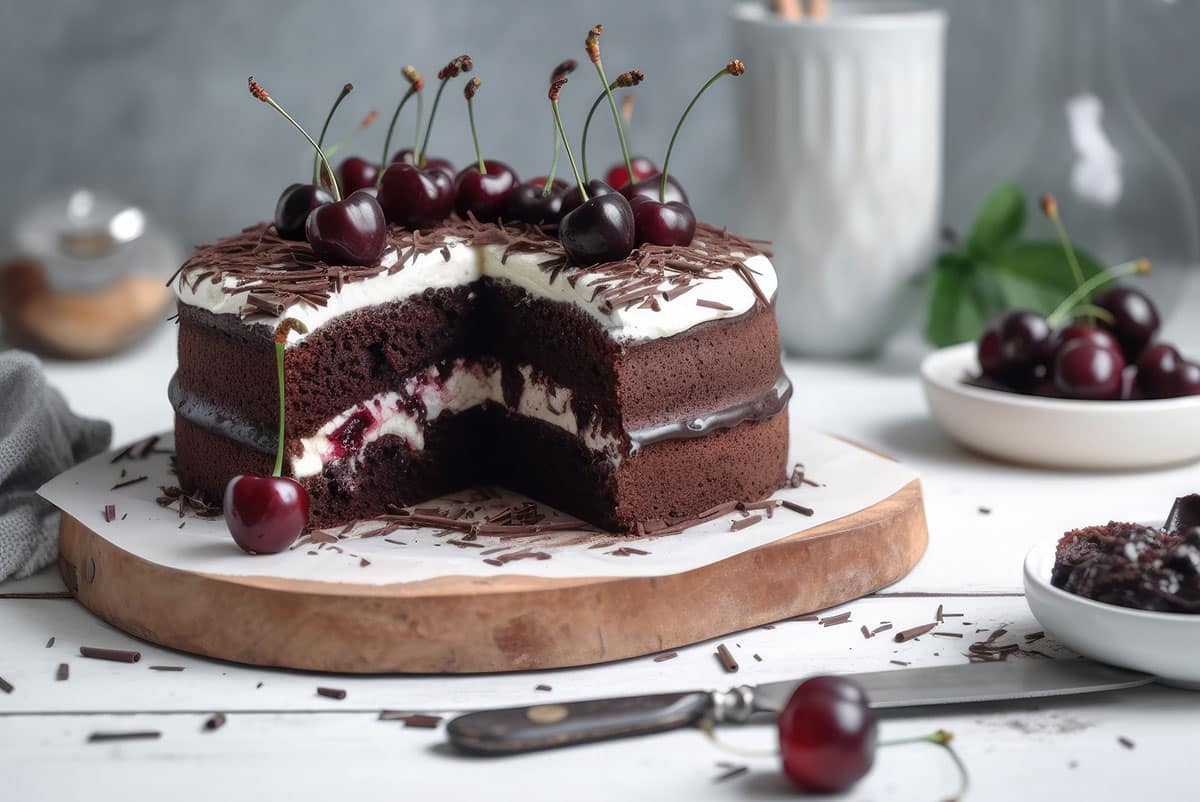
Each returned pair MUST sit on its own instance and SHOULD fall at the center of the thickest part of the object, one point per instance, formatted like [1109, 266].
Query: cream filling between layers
[426, 397]
[467, 263]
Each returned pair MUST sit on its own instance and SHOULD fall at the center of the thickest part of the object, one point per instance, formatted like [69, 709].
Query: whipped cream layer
[427, 396]
[661, 309]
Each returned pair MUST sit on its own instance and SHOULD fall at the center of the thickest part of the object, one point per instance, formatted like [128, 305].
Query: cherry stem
[366, 122]
[1072, 301]
[286, 326]
[662, 186]
[347, 89]
[570, 156]
[940, 738]
[708, 727]
[333, 184]
[616, 115]
[471, 117]
[455, 68]
[1051, 209]
[549, 185]
[387, 140]
[417, 131]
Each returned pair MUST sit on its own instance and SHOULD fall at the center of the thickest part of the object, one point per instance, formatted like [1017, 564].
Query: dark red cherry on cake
[827, 735]
[484, 195]
[572, 199]
[356, 173]
[405, 156]
[416, 198]
[293, 207]
[649, 187]
[599, 230]
[1135, 318]
[351, 231]
[1087, 371]
[1013, 346]
[618, 175]
[671, 223]
[528, 203]
[265, 514]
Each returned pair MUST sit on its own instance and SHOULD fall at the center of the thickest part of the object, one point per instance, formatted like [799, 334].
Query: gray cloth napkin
[39, 439]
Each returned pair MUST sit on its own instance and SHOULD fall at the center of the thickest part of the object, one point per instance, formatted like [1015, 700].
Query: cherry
[618, 175]
[291, 211]
[652, 188]
[415, 198]
[357, 173]
[827, 735]
[483, 188]
[600, 230]
[573, 197]
[1081, 330]
[670, 223]
[1135, 319]
[349, 231]
[530, 204]
[1013, 346]
[352, 231]
[405, 156]
[1163, 373]
[1088, 371]
[265, 514]
[1189, 379]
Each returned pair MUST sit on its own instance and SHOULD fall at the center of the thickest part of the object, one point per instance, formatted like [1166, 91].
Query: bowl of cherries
[1089, 386]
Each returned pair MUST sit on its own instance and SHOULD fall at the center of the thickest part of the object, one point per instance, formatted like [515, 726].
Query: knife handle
[525, 729]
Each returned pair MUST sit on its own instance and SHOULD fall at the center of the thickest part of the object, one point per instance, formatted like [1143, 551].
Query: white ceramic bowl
[1164, 644]
[1057, 433]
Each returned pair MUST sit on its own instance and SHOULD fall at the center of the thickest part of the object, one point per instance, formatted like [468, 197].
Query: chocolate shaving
[5, 685]
[660, 658]
[730, 773]
[899, 662]
[331, 693]
[713, 305]
[109, 512]
[542, 687]
[1125, 742]
[116, 655]
[914, 632]
[727, 661]
[794, 507]
[50, 642]
[128, 482]
[132, 735]
[744, 523]
[834, 620]
[214, 722]
[63, 673]
[422, 720]
[166, 668]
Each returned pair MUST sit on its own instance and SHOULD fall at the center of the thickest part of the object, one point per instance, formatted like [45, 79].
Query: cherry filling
[347, 439]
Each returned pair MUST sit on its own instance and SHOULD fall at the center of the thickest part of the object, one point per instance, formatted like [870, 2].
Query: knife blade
[516, 730]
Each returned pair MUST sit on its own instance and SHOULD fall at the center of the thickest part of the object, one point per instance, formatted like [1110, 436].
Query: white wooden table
[282, 740]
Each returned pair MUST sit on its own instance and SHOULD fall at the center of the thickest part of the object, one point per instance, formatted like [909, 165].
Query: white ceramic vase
[840, 140]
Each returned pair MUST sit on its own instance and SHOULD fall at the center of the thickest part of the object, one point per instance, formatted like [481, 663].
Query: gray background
[148, 98]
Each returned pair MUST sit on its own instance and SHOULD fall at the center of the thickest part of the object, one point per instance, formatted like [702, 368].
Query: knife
[525, 729]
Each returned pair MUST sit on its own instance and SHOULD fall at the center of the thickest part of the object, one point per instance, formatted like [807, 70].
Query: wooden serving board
[459, 624]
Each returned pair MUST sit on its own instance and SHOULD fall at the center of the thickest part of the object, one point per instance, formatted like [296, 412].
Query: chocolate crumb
[259, 685]
[866, 633]
[727, 661]
[116, 655]
[985, 510]
[109, 512]
[914, 632]
[363, 562]
[881, 628]
[132, 735]
[215, 722]
[1126, 742]
[899, 663]
[50, 642]
[659, 658]
[756, 657]
[422, 720]
[543, 687]
[331, 693]
[5, 685]
[166, 668]
[63, 673]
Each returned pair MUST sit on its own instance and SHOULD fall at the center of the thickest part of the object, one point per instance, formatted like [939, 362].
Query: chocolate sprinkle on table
[109, 512]
[50, 642]
[804, 618]
[422, 720]
[116, 655]
[794, 507]
[135, 480]
[133, 735]
[834, 620]
[938, 615]
[166, 668]
[914, 632]
[215, 722]
[1032, 636]
[866, 633]
[899, 662]
[881, 628]
[5, 685]
[331, 693]
[948, 634]
[63, 673]
[727, 661]
[756, 657]
[744, 523]
[659, 658]
[730, 773]
[1125, 742]
[543, 687]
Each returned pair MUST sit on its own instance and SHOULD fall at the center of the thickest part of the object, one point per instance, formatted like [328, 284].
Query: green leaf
[957, 306]
[1037, 275]
[998, 222]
